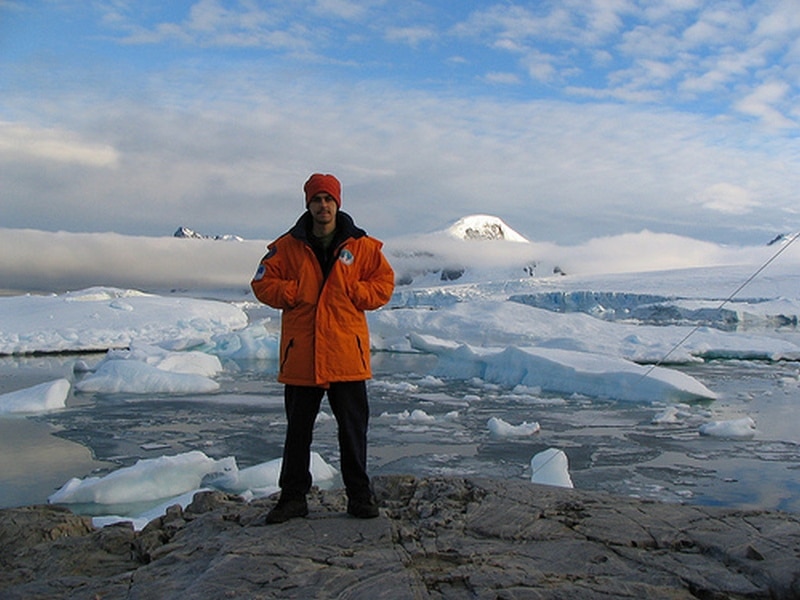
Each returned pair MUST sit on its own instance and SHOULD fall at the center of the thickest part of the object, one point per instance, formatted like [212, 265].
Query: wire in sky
[730, 298]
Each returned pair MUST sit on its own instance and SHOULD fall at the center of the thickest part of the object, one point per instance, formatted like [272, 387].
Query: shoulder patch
[259, 273]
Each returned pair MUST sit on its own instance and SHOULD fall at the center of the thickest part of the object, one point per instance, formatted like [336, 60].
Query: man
[323, 274]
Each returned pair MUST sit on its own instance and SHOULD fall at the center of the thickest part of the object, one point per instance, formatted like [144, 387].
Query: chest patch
[346, 257]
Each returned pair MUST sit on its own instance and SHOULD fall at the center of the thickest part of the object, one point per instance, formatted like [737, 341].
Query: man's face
[323, 208]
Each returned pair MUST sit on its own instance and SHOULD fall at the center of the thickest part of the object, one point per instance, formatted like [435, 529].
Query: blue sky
[570, 120]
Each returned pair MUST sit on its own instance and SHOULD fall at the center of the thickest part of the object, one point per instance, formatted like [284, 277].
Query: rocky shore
[436, 538]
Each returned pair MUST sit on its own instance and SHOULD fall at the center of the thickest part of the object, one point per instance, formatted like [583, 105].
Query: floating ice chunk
[192, 362]
[415, 416]
[171, 480]
[254, 341]
[196, 363]
[120, 305]
[399, 416]
[551, 467]
[562, 371]
[669, 415]
[420, 416]
[39, 398]
[148, 479]
[673, 414]
[101, 294]
[148, 369]
[101, 318]
[741, 429]
[134, 377]
[323, 417]
[430, 381]
[141, 519]
[501, 429]
[262, 479]
[399, 387]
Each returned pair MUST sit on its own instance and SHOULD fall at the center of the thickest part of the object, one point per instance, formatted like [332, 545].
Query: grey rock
[441, 538]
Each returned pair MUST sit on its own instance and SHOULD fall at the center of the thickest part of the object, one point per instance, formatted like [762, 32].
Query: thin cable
[694, 330]
[730, 298]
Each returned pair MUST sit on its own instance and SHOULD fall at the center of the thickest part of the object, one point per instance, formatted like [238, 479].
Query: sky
[569, 120]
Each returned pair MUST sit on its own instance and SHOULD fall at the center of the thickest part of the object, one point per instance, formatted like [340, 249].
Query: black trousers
[348, 401]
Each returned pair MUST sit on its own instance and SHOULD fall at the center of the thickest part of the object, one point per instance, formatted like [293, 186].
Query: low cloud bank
[41, 262]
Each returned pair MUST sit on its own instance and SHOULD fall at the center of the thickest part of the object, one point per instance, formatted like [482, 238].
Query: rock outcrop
[436, 538]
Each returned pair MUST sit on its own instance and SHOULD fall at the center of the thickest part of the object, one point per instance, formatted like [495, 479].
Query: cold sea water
[423, 425]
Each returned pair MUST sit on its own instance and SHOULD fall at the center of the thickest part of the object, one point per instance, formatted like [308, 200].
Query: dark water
[611, 446]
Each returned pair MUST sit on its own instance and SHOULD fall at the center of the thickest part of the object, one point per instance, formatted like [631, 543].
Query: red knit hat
[319, 182]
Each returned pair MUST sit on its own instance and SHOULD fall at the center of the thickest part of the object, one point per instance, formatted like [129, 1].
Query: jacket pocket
[361, 353]
[286, 351]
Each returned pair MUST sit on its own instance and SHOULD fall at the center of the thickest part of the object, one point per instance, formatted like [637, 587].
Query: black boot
[287, 508]
[362, 507]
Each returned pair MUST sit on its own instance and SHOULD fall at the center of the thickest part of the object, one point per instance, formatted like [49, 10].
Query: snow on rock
[551, 467]
[101, 318]
[562, 371]
[44, 397]
[739, 429]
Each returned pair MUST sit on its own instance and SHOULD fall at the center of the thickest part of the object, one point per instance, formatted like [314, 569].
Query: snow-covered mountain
[469, 249]
[185, 232]
[482, 228]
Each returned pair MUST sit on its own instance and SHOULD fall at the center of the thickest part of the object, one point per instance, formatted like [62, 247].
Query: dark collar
[345, 228]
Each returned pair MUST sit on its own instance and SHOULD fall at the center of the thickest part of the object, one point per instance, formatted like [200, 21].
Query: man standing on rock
[324, 273]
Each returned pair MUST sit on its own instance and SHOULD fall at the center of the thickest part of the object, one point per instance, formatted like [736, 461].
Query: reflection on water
[34, 462]
[611, 446]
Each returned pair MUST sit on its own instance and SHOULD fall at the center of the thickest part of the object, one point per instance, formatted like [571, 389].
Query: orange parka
[324, 333]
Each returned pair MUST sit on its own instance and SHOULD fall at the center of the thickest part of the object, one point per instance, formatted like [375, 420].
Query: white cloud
[727, 198]
[717, 26]
[208, 23]
[502, 78]
[413, 36]
[220, 137]
[766, 102]
[38, 261]
[514, 24]
[57, 145]
[344, 9]
[540, 66]
[44, 261]
[781, 19]
[408, 162]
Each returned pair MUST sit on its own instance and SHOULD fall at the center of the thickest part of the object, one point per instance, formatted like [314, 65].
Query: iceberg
[562, 371]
